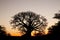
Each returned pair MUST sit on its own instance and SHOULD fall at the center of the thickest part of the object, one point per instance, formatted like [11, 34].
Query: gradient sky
[9, 8]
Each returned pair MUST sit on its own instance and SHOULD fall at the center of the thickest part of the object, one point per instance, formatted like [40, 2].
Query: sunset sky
[9, 8]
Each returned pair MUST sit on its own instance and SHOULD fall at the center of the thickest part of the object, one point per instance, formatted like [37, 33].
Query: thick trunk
[28, 33]
[29, 30]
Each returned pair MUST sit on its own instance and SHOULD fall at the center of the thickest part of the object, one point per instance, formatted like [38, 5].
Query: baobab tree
[29, 21]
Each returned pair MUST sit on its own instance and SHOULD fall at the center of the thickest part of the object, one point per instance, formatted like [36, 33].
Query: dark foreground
[30, 38]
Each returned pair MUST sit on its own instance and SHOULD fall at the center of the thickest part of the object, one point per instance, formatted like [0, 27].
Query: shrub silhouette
[2, 32]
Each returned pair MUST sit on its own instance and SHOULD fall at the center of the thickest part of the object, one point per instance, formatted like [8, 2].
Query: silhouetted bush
[3, 32]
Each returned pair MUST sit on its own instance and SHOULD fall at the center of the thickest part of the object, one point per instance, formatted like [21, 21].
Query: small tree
[2, 31]
[28, 21]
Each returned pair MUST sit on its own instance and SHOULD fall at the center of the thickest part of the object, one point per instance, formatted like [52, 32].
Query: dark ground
[50, 37]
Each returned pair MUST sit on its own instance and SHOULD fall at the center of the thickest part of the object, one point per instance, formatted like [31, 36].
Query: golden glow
[16, 34]
[33, 33]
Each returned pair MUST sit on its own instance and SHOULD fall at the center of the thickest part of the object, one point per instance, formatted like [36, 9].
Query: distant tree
[2, 31]
[55, 29]
[56, 26]
[29, 21]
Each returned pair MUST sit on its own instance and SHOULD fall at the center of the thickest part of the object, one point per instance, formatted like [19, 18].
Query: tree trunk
[29, 30]
[28, 33]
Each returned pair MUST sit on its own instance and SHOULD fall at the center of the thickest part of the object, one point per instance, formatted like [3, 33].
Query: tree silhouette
[55, 29]
[2, 31]
[28, 21]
